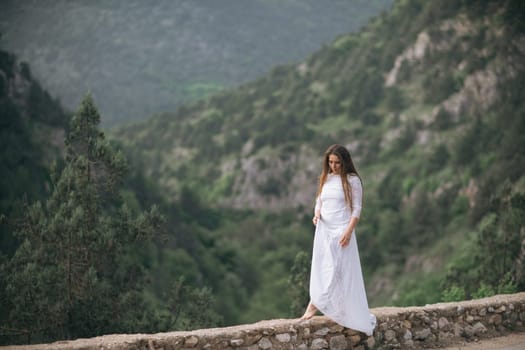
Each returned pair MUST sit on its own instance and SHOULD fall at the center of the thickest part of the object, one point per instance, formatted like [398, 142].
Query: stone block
[349, 331]
[269, 331]
[449, 311]
[468, 331]
[422, 334]
[355, 339]
[444, 335]
[191, 341]
[323, 331]
[458, 330]
[443, 323]
[306, 332]
[252, 339]
[237, 342]
[318, 344]
[479, 328]
[251, 347]
[390, 335]
[500, 309]
[495, 319]
[223, 344]
[283, 337]
[336, 329]
[338, 342]
[265, 344]
[408, 344]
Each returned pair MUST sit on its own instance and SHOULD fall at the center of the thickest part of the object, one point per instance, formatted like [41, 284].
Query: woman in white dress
[336, 281]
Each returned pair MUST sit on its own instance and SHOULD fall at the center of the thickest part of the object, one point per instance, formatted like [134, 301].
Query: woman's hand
[347, 233]
[345, 239]
[315, 219]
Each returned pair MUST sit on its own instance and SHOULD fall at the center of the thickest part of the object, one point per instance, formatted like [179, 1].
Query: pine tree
[74, 274]
[299, 283]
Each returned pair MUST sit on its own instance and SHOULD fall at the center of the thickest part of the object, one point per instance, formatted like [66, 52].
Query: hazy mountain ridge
[138, 59]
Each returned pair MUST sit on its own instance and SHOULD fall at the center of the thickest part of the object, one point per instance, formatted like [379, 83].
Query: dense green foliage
[429, 168]
[141, 58]
[72, 275]
[171, 277]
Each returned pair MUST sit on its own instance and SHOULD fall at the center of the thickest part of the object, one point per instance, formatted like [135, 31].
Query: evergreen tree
[299, 283]
[191, 307]
[74, 274]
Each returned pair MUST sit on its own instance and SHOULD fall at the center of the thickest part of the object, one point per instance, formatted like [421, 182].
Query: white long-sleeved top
[332, 194]
[336, 281]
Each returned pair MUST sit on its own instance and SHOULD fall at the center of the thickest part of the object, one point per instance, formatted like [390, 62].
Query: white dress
[336, 281]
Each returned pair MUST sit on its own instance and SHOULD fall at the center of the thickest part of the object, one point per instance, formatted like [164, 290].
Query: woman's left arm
[357, 199]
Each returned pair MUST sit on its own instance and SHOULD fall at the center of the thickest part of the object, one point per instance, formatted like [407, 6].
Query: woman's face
[334, 163]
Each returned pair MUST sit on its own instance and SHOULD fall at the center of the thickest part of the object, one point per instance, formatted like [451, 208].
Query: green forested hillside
[84, 245]
[140, 58]
[427, 97]
[186, 276]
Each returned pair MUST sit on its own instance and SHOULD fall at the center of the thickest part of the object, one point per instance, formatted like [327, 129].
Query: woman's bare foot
[310, 312]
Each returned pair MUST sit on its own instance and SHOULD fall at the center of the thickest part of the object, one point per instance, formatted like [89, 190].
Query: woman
[336, 281]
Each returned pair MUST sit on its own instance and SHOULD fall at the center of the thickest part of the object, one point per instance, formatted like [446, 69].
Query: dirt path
[514, 341]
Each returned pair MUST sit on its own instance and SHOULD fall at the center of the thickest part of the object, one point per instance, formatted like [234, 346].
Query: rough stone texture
[430, 326]
[318, 344]
[283, 337]
[338, 342]
[265, 343]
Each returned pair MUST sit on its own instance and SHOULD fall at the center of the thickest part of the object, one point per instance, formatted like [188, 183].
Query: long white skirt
[336, 281]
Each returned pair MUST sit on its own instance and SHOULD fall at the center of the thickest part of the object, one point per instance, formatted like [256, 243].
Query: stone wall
[398, 328]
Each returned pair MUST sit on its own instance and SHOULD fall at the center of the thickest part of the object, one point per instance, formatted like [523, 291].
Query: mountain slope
[32, 130]
[429, 100]
[138, 59]
[377, 91]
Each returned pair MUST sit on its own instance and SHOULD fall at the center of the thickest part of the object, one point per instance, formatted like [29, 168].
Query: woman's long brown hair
[347, 168]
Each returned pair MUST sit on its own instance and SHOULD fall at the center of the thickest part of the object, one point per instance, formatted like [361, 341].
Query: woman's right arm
[317, 210]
